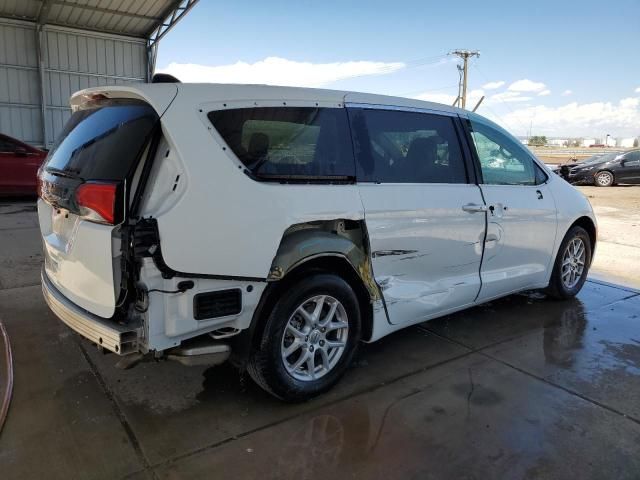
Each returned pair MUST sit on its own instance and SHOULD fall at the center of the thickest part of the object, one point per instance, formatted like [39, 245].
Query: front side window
[503, 160]
[632, 159]
[289, 142]
[406, 147]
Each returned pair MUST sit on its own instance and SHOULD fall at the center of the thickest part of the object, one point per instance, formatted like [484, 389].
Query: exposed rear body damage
[279, 227]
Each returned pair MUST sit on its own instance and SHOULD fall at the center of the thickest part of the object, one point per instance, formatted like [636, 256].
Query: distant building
[625, 142]
[557, 142]
[587, 142]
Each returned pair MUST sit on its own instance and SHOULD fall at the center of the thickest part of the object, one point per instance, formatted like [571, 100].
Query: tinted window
[7, 146]
[288, 142]
[503, 159]
[103, 142]
[632, 159]
[406, 147]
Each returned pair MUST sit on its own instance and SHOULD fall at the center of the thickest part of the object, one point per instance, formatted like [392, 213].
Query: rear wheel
[572, 264]
[309, 339]
[604, 179]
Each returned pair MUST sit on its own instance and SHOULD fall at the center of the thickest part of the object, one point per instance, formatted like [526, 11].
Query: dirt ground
[617, 257]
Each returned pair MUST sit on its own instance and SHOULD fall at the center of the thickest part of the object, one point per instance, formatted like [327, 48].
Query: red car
[19, 164]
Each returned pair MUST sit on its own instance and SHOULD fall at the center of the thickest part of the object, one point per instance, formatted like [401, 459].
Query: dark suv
[606, 170]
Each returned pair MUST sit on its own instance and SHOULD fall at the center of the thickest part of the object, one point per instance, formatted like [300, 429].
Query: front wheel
[309, 338]
[604, 179]
[572, 264]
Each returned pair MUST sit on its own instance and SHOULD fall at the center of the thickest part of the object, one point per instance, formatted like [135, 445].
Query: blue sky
[569, 68]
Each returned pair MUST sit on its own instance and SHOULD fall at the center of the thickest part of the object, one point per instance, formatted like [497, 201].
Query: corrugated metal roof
[136, 18]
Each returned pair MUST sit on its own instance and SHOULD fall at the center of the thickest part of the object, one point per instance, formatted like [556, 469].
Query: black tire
[604, 179]
[266, 365]
[557, 288]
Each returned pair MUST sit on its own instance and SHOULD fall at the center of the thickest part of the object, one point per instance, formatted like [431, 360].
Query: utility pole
[464, 55]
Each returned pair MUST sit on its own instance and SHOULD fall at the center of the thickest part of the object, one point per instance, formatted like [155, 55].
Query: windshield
[103, 142]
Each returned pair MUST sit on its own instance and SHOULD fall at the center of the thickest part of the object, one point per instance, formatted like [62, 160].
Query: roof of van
[214, 92]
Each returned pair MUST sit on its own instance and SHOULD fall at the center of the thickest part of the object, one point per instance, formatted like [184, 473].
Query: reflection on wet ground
[523, 387]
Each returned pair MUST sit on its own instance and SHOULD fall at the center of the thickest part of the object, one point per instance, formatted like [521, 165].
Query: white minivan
[279, 227]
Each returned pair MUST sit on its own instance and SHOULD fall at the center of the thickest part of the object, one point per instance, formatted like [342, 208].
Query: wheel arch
[589, 225]
[339, 247]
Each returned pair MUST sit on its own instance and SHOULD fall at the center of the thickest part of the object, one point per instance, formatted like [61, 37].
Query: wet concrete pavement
[524, 387]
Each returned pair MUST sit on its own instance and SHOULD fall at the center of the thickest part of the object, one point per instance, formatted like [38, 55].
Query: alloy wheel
[573, 261]
[604, 179]
[314, 338]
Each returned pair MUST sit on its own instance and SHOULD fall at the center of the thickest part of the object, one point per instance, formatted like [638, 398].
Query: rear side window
[103, 142]
[289, 142]
[406, 147]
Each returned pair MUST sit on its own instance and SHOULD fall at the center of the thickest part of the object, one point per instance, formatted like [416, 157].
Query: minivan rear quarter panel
[254, 214]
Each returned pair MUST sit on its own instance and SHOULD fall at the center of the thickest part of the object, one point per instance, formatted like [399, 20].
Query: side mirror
[21, 152]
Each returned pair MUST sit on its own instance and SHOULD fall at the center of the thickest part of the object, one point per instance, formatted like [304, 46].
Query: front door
[426, 249]
[629, 171]
[521, 213]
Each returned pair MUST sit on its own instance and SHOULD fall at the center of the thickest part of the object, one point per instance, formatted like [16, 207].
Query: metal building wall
[72, 59]
[20, 115]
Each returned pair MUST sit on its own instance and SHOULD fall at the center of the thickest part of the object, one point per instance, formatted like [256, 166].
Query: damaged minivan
[277, 228]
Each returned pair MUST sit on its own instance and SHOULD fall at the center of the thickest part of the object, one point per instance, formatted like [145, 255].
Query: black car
[605, 170]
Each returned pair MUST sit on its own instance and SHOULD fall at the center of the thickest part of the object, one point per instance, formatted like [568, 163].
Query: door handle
[540, 196]
[474, 208]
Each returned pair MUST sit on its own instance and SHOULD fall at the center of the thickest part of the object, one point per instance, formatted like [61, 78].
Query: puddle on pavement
[566, 335]
[500, 424]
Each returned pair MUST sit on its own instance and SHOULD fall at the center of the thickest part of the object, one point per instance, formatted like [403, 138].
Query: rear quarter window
[289, 142]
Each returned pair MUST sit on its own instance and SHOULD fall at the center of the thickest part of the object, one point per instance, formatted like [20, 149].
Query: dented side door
[426, 250]
[426, 243]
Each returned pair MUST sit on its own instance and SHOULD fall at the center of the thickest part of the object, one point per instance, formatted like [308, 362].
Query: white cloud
[509, 97]
[473, 96]
[526, 85]
[494, 85]
[544, 93]
[444, 98]
[579, 120]
[638, 90]
[279, 71]
[566, 93]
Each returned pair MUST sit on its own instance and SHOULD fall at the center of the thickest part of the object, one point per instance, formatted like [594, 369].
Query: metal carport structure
[52, 48]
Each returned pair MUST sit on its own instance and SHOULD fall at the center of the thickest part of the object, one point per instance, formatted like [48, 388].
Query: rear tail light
[97, 201]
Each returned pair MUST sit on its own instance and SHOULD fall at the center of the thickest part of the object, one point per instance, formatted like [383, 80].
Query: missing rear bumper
[107, 334]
